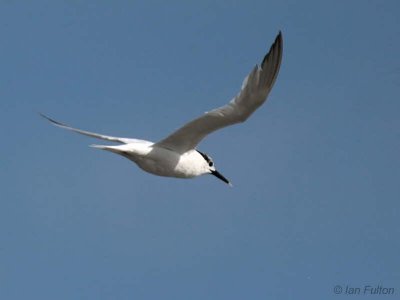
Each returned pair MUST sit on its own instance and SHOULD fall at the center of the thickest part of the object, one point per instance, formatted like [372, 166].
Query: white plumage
[176, 156]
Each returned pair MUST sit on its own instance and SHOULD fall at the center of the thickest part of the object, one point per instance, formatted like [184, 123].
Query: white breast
[164, 162]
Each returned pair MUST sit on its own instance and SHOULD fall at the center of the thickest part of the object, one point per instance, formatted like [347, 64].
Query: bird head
[210, 168]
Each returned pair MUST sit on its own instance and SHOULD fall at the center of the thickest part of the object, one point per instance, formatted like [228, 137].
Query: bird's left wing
[255, 89]
[92, 134]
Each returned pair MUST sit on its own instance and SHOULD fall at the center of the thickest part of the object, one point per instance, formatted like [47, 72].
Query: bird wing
[92, 134]
[255, 89]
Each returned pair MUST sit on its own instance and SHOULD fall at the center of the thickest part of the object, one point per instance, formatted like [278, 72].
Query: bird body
[161, 161]
[176, 155]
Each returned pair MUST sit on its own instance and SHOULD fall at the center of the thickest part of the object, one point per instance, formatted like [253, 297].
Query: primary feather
[255, 89]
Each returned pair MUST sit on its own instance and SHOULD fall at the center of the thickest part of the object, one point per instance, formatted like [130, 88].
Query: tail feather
[102, 147]
[119, 149]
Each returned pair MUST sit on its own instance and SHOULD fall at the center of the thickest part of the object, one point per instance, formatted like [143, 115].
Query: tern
[176, 155]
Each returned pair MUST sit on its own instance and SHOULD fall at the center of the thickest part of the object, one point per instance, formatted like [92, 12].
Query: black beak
[219, 175]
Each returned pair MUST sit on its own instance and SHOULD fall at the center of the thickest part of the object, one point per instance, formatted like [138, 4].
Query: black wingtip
[278, 43]
[279, 37]
[51, 120]
[43, 115]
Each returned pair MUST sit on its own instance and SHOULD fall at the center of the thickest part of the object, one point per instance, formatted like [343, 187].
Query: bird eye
[210, 163]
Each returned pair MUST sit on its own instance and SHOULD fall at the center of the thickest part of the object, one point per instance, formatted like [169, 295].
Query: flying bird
[176, 155]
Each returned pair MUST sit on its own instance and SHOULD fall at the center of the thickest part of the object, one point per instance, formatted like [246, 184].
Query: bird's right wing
[92, 134]
[255, 89]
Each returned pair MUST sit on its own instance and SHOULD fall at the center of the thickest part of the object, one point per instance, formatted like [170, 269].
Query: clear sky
[316, 196]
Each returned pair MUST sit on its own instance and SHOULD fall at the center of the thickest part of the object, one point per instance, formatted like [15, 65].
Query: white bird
[176, 155]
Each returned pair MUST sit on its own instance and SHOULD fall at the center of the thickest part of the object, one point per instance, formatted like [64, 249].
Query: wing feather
[92, 134]
[255, 89]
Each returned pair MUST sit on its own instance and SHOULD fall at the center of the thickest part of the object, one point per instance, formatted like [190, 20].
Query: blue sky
[316, 170]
